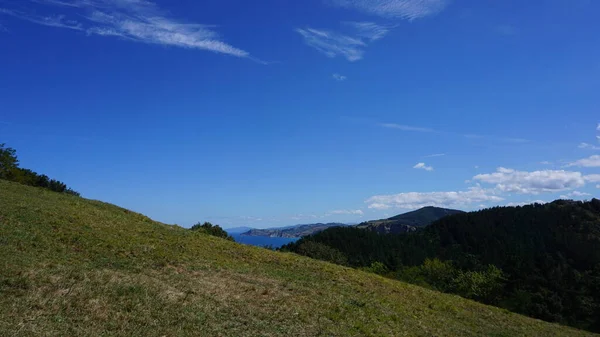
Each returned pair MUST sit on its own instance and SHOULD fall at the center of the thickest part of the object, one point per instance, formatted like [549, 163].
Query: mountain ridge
[295, 231]
[408, 222]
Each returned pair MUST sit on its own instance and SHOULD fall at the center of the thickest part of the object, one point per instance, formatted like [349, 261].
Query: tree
[484, 286]
[8, 162]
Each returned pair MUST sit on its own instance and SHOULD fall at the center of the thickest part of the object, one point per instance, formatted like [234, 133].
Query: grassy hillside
[75, 267]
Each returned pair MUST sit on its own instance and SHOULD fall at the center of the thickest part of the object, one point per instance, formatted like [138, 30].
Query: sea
[262, 241]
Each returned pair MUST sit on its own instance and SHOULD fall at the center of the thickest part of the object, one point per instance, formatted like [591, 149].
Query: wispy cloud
[351, 44]
[347, 212]
[414, 200]
[51, 21]
[135, 20]
[405, 127]
[495, 138]
[369, 30]
[422, 166]
[509, 180]
[339, 77]
[435, 155]
[588, 146]
[403, 9]
[333, 44]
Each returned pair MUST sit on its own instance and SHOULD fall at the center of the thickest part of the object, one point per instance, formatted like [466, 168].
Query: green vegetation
[539, 260]
[10, 170]
[210, 229]
[76, 267]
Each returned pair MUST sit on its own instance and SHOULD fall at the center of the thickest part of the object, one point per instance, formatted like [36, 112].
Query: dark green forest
[10, 170]
[539, 260]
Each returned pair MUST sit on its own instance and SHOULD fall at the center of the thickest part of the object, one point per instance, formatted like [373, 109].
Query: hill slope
[408, 222]
[75, 267]
[293, 231]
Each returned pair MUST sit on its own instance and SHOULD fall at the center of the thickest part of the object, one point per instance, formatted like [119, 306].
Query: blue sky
[271, 113]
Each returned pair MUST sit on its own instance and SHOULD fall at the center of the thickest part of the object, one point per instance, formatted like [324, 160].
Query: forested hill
[408, 222]
[539, 260]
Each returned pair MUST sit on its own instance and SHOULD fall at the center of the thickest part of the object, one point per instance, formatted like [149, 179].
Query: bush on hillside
[210, 229]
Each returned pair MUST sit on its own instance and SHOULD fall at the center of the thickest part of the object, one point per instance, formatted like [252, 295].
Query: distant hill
[408, 222]
[238, 230]
[293, 231]
[76, 267]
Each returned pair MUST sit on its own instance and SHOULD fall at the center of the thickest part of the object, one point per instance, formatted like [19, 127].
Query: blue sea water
[261, 241]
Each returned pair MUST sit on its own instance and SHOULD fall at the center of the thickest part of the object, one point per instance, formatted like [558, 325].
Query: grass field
[76, 267]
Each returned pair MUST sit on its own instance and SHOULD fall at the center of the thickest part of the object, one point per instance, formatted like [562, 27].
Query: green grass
[76, 267]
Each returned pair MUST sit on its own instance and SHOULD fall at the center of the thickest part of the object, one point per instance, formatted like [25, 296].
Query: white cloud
[333, 44]
[405, 127]
[422, 166]
[135, 20]
[369, 30]
[588, 146]
[347, 212]
[592, 178]
[404, 9]
[414, 200]
[509, 180]
[339, 77]
[546, 163]
[593, 161]
[574, 194]
[524, 203]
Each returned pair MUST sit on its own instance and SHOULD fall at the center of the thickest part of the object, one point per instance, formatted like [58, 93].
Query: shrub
[210, 229]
